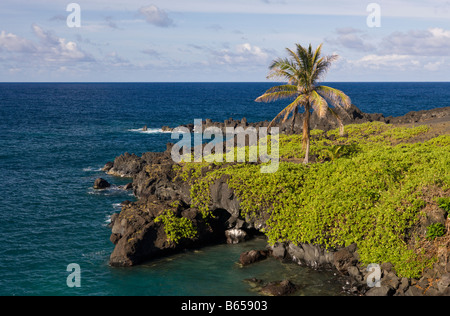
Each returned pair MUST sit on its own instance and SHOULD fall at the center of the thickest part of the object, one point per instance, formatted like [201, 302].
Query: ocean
[55, 138]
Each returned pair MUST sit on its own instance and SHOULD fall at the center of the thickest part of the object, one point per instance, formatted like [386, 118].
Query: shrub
[444, 203]
[338, 151]
[176, 228]
[435, 230]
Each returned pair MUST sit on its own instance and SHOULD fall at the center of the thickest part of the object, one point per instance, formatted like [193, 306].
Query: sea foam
[149, 131]
[92, 169]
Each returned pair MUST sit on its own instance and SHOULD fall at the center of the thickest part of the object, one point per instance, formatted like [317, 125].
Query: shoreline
[139, 237]
[352, 116]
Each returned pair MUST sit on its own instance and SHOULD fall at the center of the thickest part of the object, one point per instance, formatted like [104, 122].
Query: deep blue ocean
[55, 137]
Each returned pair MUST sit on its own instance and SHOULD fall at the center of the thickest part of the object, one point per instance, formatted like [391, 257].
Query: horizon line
[275, 82]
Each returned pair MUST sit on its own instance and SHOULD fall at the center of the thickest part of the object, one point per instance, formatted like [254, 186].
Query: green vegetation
[303, 70]
[435, 230]
[365, 188]
[338, 151]
[176, 228]
[444, 203]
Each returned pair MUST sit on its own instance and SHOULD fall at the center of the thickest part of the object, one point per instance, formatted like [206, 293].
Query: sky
[220, 41]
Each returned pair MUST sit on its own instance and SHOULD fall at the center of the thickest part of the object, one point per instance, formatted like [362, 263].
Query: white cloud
[54, 48]
[394, 63]
[47, 53]
[431, 42]
[156, 16]
[242, 54]
[252, 51]
[113, 59]
[13, 43]
[389, 61]
[404, 46]
[434, 66]
[414, 50]
[351, 38]
[151, 52]
[396, 8]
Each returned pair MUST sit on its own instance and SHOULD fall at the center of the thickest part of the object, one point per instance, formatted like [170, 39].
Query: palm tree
[303, 70]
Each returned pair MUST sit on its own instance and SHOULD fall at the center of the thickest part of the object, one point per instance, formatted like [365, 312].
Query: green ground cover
[364, 187]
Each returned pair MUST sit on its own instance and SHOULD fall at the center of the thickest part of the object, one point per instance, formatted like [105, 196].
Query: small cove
[215, 271]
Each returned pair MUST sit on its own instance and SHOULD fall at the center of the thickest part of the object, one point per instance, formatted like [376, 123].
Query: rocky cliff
[135, 232]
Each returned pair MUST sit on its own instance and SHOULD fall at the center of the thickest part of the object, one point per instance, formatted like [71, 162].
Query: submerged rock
[279, 288]
[253, 256]
[100, 184]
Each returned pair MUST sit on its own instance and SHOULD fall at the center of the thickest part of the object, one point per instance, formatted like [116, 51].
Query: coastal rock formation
[138, 236]
[126, 165]
[344, 259]
[135, 233]
[108, 166]
[235, 236]
[273, 288]
[128, 186]
[353, 115]
[100, 184]
[434, 282]
[279, 288]
[420, 116]
[253, 256]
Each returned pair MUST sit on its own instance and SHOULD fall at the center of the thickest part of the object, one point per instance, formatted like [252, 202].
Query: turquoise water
[54, 138]
[215, 271]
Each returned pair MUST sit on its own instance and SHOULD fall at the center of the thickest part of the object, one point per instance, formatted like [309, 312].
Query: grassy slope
[365, 188]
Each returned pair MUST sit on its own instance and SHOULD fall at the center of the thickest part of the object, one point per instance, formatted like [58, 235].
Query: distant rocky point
[353, 115]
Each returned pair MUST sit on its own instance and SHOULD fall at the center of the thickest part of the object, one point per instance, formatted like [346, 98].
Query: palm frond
[274, 96]
[294, 57]
[316, 55]
[322, 65]
[339, 119]
[334, 96]
[299, 101]
[285, 88]
[283, 69]
[319, 104]
[304, 56]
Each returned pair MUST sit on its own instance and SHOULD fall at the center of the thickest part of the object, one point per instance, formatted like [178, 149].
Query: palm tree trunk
[341, 126]
[293, 120]
[306, 134]
[341, 129]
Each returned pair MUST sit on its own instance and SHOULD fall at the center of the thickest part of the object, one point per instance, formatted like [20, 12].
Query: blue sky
[227, 40]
